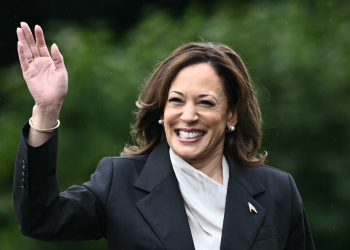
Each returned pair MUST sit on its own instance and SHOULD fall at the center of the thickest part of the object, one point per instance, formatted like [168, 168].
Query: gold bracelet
[49, 130]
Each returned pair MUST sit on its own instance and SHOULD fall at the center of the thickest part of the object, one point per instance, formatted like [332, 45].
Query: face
[196, 114]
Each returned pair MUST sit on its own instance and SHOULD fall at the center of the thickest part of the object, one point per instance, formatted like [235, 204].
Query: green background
[298, 55]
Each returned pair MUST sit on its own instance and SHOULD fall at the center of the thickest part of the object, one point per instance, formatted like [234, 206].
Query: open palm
[46, 77]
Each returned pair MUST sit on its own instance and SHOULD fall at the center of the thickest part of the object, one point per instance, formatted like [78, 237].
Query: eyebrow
[204, 95]
[177, 92]
[201, 95]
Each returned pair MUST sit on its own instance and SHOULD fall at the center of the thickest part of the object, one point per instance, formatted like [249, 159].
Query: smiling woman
[196, 116]
[197, 182]
[228, 73]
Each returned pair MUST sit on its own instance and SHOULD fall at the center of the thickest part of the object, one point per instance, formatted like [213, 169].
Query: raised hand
[46, 77]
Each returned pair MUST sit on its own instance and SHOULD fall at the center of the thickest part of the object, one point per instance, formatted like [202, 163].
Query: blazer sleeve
[42, 212]
[300, 237]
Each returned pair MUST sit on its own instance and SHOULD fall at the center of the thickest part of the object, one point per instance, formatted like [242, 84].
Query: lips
[189, 134]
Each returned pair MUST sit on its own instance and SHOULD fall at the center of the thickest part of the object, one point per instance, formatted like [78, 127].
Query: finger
[30, 39]
[57, 57]
[22, 57]
[25, 46]
[40, 41]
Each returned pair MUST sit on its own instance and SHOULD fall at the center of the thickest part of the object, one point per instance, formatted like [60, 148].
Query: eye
[175, 100]
[206, 103]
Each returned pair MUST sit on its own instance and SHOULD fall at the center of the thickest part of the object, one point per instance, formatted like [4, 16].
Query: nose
[189, 113]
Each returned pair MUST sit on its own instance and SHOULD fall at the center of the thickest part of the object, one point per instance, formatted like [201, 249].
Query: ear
[232, 117]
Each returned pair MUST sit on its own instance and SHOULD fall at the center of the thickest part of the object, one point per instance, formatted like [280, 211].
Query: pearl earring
[161, 122]
[230, 129]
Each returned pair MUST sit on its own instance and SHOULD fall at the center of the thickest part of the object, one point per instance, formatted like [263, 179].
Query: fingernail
[37, 26]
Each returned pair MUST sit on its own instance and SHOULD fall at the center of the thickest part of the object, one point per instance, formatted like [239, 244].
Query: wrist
[47, 117]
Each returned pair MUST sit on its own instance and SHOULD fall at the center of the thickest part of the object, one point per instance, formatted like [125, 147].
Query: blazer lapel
[241, 226]
[163, 207]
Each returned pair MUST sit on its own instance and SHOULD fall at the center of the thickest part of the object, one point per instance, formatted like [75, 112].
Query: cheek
[169, 121]
[218, 127]
[215, 120]
[170, 115]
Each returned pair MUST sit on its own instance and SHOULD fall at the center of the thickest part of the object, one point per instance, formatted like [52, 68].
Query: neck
[211, 166]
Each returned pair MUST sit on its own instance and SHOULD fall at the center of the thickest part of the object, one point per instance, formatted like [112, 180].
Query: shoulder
[116, 170]
[279, 182]
[122, 164]
[271, 173]
[130, 160]
[275, 179]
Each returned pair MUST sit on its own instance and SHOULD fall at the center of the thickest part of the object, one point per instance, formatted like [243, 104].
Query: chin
[186, 154]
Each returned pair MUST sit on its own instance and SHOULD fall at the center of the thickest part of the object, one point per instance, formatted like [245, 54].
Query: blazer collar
[246, 177]
[241, 226]
[163, 207]
[157, 168]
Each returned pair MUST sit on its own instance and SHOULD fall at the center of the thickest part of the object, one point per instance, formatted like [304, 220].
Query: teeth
[190, 135]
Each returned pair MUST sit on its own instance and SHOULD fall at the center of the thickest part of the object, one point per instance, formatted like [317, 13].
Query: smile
[189, 135]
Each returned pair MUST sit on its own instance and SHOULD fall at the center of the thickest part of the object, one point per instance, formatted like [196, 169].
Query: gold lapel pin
[252, 208]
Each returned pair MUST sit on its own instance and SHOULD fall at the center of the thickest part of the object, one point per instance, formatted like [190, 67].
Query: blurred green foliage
[299, 59]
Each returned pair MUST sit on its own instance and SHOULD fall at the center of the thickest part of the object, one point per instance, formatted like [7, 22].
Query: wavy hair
[244, 143]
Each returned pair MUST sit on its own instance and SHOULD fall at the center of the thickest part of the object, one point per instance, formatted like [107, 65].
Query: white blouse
[204, 201]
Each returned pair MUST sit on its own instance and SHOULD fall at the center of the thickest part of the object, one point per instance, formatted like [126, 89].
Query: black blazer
[135, 203]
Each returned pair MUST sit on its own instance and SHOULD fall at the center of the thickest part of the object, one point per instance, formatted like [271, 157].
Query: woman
[195, 180]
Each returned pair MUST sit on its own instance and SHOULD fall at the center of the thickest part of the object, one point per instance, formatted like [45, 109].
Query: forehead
[198, 78]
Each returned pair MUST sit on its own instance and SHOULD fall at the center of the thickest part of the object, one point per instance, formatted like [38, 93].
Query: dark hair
[244, 143]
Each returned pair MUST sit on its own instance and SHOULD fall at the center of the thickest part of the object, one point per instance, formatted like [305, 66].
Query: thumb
[57, 57]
